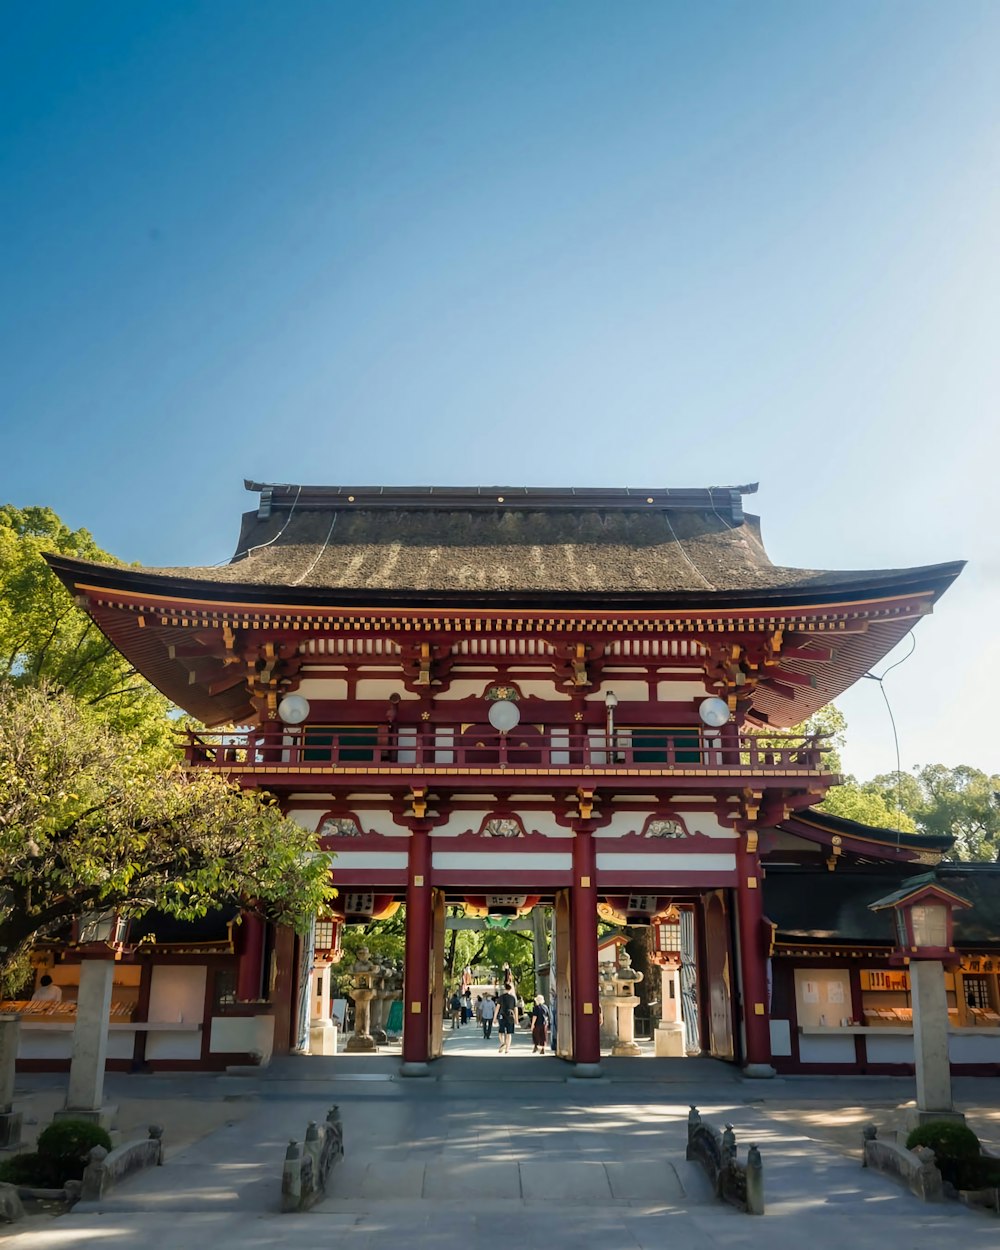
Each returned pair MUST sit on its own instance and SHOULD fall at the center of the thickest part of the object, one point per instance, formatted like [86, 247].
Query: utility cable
[260, 546]
[319, 555]
[892, 719]
[680, 548]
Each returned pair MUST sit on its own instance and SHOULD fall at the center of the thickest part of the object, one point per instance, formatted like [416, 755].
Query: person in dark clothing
[507, 1016]
[539, 1025]
[456, 1009]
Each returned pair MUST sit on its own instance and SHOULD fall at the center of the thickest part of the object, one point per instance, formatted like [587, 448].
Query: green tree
[45, 637]
[963, 802]
[90, 821]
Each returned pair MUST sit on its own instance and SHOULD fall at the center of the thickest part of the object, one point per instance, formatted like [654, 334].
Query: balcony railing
[359, 752]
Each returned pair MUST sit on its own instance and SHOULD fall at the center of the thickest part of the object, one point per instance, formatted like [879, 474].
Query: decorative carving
[500, 694]
[665, 827]
[340, 827]
[502, 827]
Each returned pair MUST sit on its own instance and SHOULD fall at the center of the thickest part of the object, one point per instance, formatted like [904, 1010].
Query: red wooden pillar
[249, 968]
[753, 966]
[584, 975]
[417, 979]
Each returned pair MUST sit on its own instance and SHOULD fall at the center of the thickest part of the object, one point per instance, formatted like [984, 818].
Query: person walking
[539, 1025]
[456, 1010]
[488, 1011]
[507, 1016]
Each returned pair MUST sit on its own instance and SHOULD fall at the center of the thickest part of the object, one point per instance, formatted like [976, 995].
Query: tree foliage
[45, 637]
[90, 821]
[961, 802]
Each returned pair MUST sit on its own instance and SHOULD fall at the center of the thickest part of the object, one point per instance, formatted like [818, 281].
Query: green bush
[956, 1151]
[32, 1170]
[65, 1144]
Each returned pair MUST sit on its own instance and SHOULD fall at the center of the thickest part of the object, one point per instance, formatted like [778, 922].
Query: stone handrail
[915, 1168]
[740, 1184]
[307, 1169]
[105, 1168]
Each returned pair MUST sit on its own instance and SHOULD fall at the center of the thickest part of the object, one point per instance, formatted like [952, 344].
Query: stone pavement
[504, 1149]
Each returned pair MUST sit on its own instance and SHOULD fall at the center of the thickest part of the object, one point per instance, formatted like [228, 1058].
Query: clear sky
[521, 243]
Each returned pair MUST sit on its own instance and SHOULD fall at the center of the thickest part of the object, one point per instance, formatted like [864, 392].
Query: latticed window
[977, 991]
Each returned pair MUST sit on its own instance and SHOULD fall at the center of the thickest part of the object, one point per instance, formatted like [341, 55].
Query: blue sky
[521, 243]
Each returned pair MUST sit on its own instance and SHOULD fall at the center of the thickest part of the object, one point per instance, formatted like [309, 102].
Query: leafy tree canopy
[45, 637]
[961, 802]
[90, 821]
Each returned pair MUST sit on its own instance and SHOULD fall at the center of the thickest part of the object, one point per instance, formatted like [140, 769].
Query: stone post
[322, 1030]
[85, 1099]
[930, 1044]
[668, 1037]
[10, 1120]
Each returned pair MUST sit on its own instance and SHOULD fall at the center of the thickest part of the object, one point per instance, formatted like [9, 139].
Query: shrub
[32, 1170]
[956, 1150]
[65, 1145]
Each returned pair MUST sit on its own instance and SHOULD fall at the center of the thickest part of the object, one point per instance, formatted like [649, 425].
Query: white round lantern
[504, 715]
[293, 709]
[714, 712]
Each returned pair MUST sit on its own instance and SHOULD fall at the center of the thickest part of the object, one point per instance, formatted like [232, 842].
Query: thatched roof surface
[577, 549]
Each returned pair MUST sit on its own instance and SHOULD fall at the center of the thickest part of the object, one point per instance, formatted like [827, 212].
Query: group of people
[505, 1009]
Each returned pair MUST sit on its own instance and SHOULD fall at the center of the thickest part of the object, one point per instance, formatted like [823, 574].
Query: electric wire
[892, 721]
[260, 546]
[319, 555]
[680, 548]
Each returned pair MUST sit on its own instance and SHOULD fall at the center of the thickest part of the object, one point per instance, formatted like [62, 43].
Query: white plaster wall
[185, 1045]
[309, 818]
[679, 861]
[625, 691]
[461, 822]
[44, 1043]
[706, 823]
[974, 1047]
[547, 690]
[827, 1048]
[465, 689]
[242, 1034]
[121, 1044]
[894, 1048]
[680, 690]
[383, 687]
[322, 688]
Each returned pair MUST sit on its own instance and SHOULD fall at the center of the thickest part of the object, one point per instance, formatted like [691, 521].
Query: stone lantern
[668, 1036]
[625, 1001]
[923, 926]
[326, 952]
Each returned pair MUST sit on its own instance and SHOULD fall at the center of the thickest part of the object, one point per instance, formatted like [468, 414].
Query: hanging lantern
[482, 905]
[667, 939]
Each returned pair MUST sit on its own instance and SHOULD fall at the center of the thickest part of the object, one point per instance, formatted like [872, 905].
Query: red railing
[550, 750]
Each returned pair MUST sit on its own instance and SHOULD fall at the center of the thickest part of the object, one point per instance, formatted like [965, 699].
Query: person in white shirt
[47, 991]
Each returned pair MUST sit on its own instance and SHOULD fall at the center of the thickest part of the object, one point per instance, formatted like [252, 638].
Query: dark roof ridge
[287, 495]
